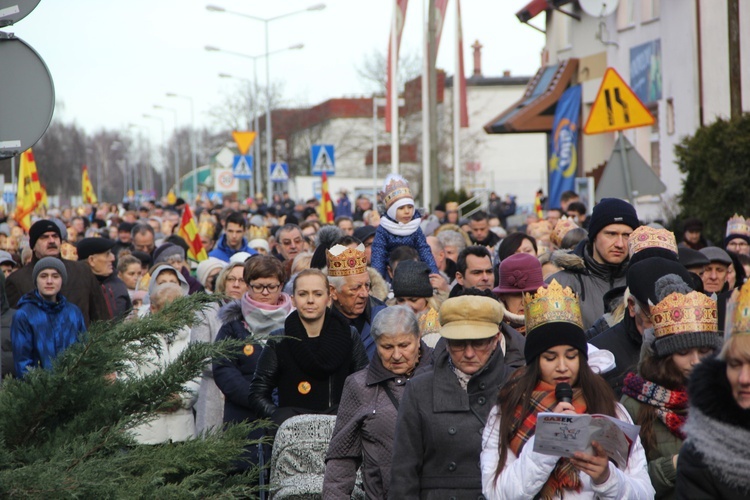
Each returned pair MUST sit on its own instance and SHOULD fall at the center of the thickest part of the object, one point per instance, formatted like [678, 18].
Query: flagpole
[426, 192]
[394, 91]
[457, 106]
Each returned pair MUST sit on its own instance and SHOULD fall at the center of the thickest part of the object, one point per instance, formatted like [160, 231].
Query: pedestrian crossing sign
[242, 166]
[323, 159]
[279, 172]
[616, 107]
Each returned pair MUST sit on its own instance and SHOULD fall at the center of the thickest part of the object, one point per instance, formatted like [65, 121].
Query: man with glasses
[625, 339]
[443, 412]
[350, 284]
[737, 239]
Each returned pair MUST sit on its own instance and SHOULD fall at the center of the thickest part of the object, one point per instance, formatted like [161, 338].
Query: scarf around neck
[564, 476]
[323, 355]
[399, 228]
[671, 405]
[262, 318]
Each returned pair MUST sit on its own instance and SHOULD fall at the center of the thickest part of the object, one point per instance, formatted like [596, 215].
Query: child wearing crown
[400, 226]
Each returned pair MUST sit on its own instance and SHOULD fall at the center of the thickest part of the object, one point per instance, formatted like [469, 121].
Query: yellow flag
[189, 232]
[89, 196]
[171, 198]
[44, 202]
[29, 194]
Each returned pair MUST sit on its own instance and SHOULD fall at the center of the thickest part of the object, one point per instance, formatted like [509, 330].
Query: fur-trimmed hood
[378, 286]
[717, 427]
[231, 312]
[568, 260]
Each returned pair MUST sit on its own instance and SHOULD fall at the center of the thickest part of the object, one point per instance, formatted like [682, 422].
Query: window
[564, 28]
[650, 10]
[626, 14]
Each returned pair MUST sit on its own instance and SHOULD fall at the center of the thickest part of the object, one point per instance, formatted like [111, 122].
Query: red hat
[520, 273]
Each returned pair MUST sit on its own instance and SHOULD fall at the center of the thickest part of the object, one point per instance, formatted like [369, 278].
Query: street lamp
[176, 152]
[266, 21]
[256, 147]
[163, 155]
[192, 140]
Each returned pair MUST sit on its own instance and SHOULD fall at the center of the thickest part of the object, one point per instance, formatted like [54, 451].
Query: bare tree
[374, 69]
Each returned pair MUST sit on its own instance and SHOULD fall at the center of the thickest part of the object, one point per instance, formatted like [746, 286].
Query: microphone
[564, 393]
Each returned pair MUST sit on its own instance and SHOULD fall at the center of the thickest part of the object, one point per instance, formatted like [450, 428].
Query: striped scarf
[565, 475]
[671, 405]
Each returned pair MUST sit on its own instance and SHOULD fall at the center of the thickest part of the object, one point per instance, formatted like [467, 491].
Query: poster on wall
[645, 71]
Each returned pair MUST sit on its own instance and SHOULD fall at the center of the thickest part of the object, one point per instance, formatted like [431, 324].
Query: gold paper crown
[429, 322]
[553, 304]
[649, 237]
[562, 228]
[396, 188]
[684, 313]
[738, 225]
[345, 261]
[738, 311]
[540, 230]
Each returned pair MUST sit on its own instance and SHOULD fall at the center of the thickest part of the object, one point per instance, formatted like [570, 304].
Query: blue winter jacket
[386, 242]
[223, 252]
[41, 330]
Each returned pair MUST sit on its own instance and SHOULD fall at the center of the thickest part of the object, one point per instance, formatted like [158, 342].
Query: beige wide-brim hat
[470, 317]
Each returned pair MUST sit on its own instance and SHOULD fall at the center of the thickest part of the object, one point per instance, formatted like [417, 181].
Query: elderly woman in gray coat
[443, 411]
[366, 421]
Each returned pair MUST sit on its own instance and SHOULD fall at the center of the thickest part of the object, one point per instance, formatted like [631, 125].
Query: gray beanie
[50, 263]
[412, 279]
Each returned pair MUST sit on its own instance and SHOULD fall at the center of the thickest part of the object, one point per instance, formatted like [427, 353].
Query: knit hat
[643, 275]
[553, 317]
[396, 194]
[258, 243]
[6, 257]
[611, 211]
[239, 257]
[683, 319]
[49, 263]
[40, 227]
[167, 250]
[92, 246]
[737, 227]
[364, 232]
[205, 267]
[412, 279]
[520, 273]
[470, 317]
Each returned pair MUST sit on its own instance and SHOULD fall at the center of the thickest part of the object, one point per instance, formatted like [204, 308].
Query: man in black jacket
[97, 253]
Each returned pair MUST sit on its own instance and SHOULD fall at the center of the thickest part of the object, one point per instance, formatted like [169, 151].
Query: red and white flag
[400, 14]
[441, 6]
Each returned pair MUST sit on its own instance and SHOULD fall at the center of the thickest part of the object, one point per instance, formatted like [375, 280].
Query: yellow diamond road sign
[244, 140]
[616, 107]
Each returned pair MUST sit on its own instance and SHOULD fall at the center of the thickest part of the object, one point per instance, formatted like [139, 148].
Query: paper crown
[738, 312]
[429, 322]
[553, 304]
[648, 237]
[540, 230]
[395, 188]
[562, 228]
[684, 313]
[345, 261]
[738, 225]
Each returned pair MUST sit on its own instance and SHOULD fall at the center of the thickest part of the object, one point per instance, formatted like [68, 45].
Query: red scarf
[565, 475]
[671, 405]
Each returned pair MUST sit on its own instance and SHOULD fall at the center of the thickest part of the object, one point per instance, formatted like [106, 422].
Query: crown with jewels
[562, 228]
[553, 304]
[737, 225]
[345, 261]
[738, 312]
[649, 237]
[684, 313]
[395, 188]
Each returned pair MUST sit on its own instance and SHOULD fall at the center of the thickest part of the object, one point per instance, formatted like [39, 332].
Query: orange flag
[326, 205]
[29, 194]
[189, 232]
[87, 189]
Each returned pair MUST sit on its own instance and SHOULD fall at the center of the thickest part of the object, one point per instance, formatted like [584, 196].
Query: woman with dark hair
[736, 275]
[516, 243]
[555, 352]
[656, 398]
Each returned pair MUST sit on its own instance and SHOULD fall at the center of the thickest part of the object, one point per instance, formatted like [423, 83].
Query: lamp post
[176, 149]
[163, 155]
[266, 21]
[256, 147]
[192, 140]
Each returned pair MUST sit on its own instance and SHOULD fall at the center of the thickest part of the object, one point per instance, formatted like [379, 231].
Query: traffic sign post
[243, 140]
[322, 159]
[242, 167]
[279, 172]
[616, 107]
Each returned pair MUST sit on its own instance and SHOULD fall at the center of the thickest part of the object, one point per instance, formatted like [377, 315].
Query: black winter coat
[714, 461]
[624, 341]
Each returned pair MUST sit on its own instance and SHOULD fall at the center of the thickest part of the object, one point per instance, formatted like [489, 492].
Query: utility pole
[434, 170]
[735, 64]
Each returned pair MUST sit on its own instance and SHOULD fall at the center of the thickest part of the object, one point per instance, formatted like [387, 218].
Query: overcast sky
[112, 60]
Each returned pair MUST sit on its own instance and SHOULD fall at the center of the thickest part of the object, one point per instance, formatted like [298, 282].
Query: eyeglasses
[476, 344]
[738, 244]
[259, 288]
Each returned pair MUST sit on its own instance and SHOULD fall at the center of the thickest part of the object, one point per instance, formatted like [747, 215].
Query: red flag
[326, 205]
[441, 6]
[461, 74]
[189, 232]
[400, 13]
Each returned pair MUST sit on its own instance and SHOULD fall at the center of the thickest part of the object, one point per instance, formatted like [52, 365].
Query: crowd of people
[429, 343]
